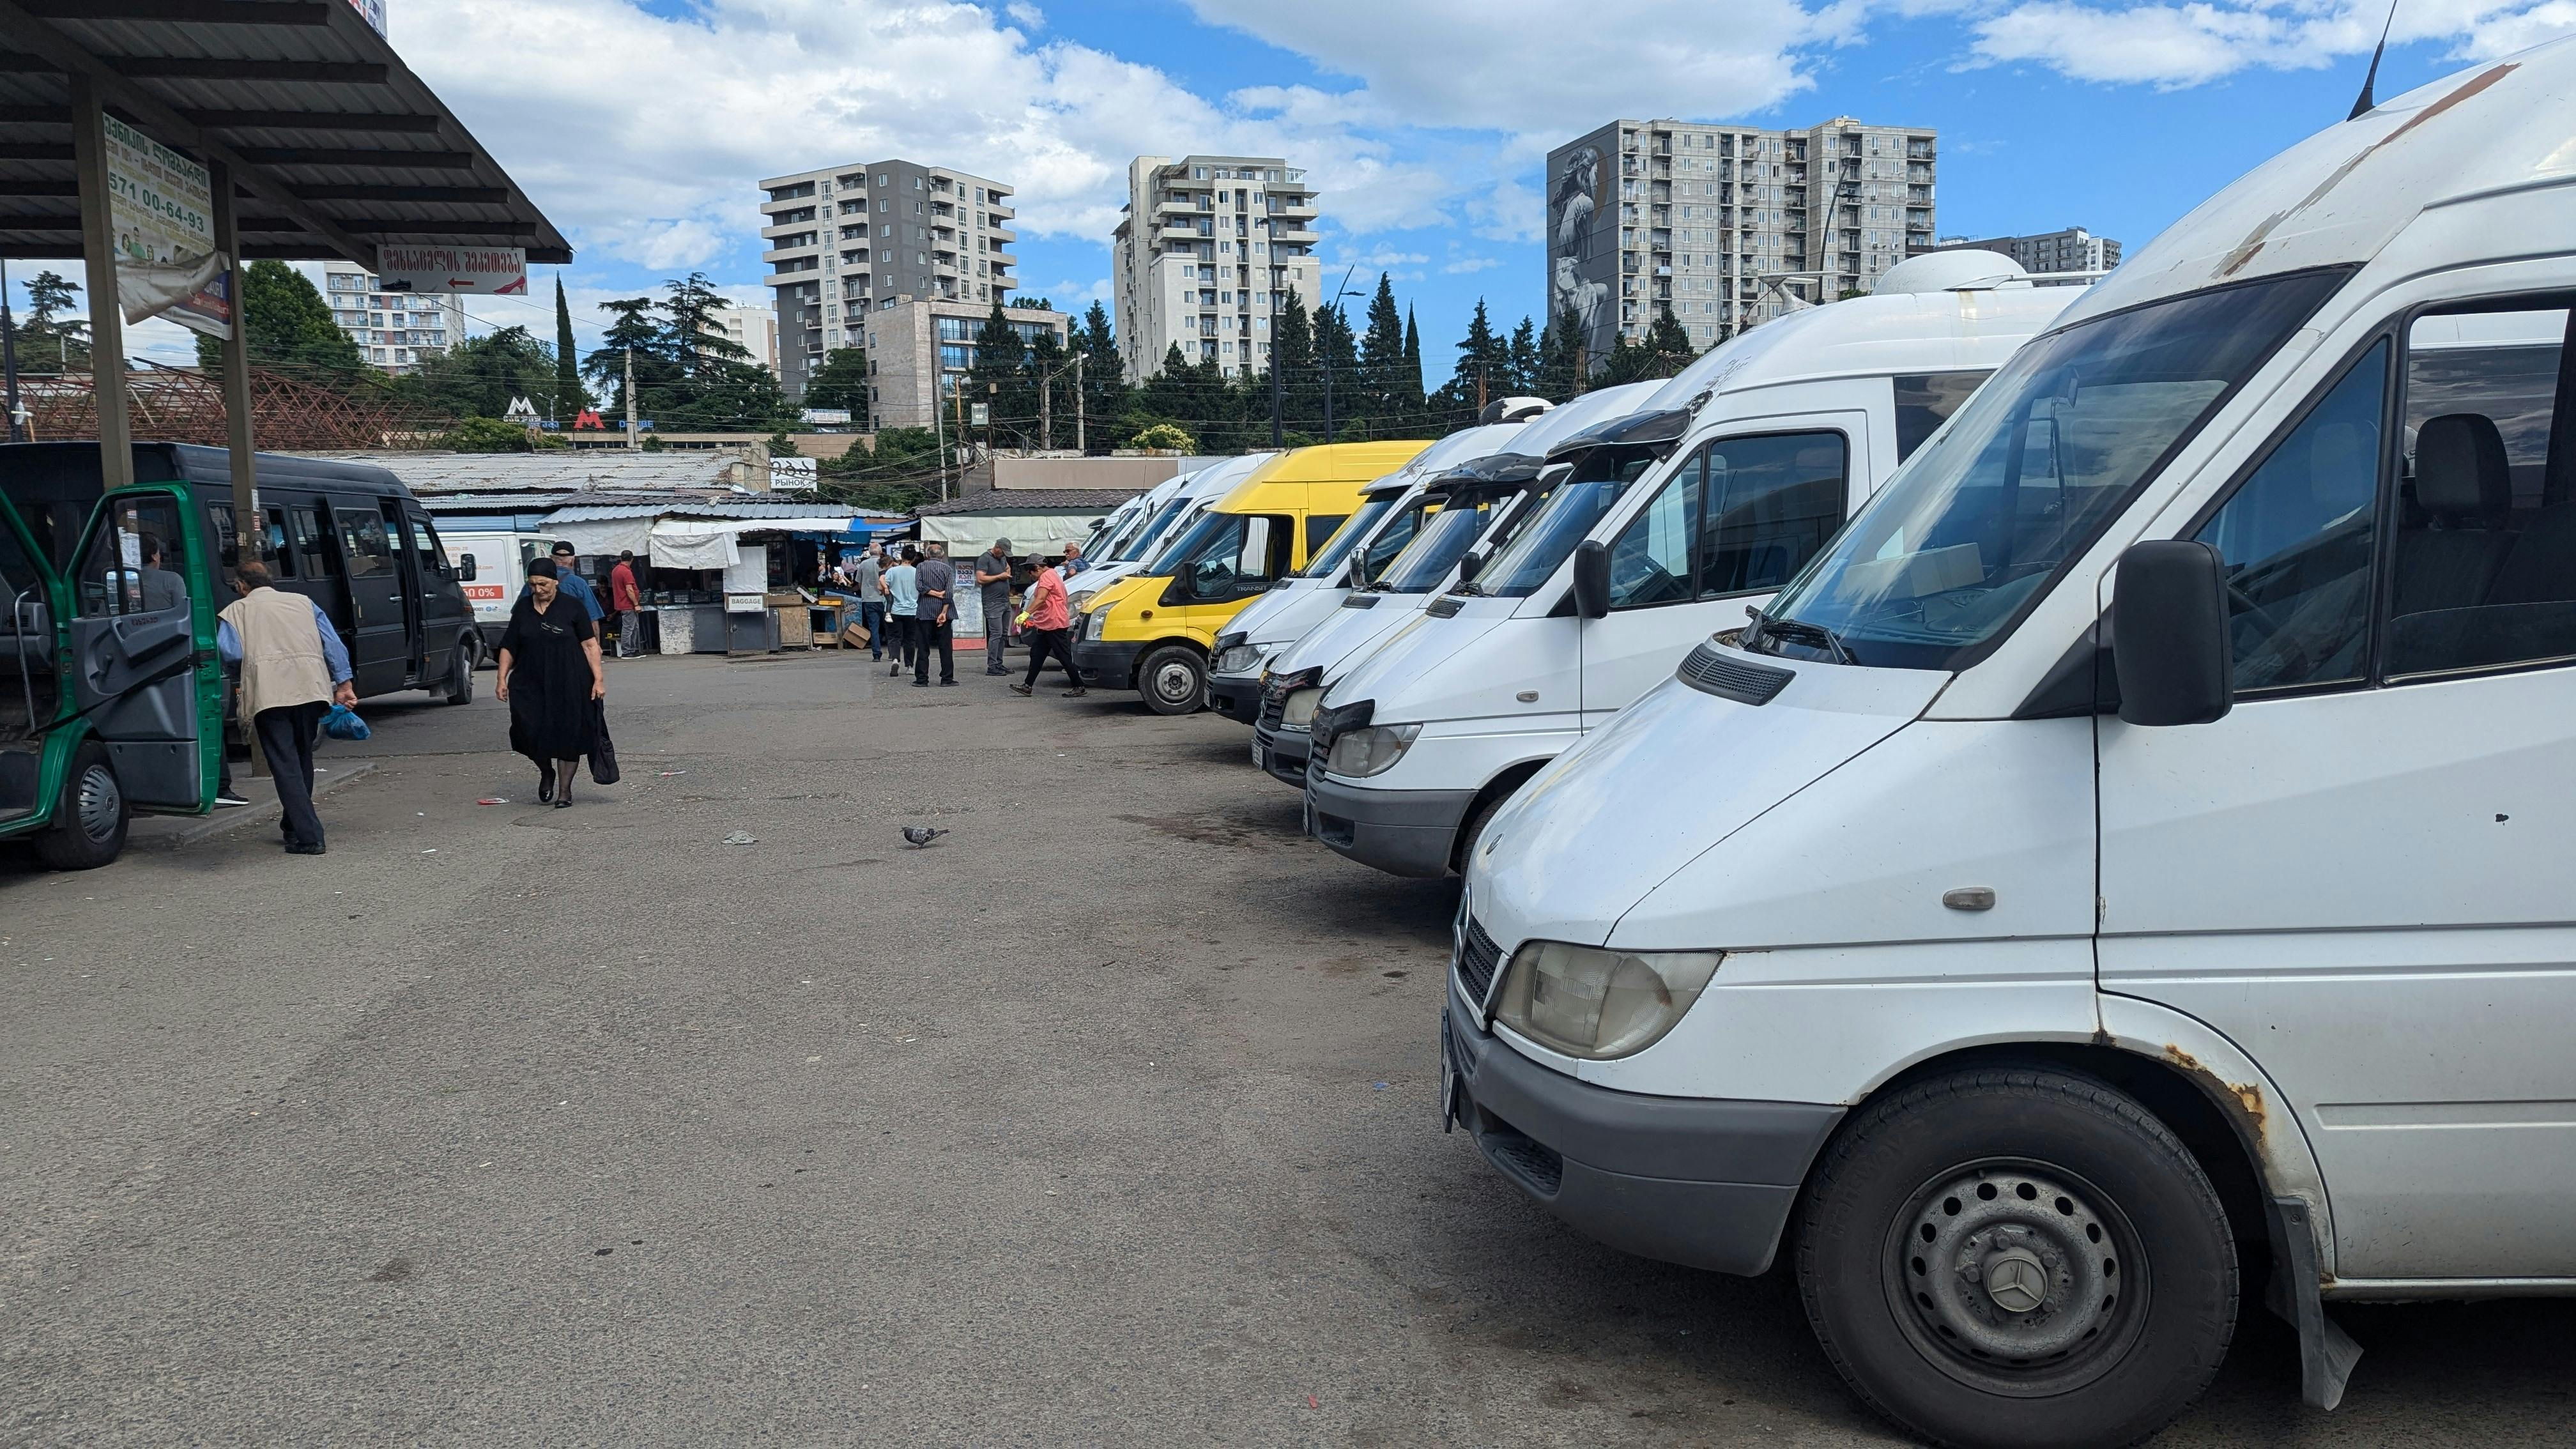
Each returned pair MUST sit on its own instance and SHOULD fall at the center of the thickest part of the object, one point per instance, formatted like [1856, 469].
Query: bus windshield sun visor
[1659, 429]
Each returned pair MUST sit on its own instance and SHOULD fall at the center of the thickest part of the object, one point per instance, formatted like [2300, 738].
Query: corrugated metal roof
[333, 141]
[562, 470]
[1029, 500]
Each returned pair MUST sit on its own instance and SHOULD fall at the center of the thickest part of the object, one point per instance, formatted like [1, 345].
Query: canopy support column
[247, 531]
[106, 313]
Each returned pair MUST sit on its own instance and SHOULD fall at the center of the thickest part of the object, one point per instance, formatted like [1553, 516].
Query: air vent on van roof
[1446, 606]
[1712, 672]
[1359, 601]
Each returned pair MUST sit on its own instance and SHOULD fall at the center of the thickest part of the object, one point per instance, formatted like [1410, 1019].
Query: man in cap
[993, 576]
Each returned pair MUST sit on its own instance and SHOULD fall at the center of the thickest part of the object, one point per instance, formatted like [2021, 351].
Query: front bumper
[1110, 663]
[1401, 832]
[1283, 754]
[1703, 1183]
[1236, 696]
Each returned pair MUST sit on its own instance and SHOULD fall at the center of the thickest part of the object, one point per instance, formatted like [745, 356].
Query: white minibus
[2124, 879]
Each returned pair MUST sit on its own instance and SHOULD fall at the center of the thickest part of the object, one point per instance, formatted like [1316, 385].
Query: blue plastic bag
[342, 723]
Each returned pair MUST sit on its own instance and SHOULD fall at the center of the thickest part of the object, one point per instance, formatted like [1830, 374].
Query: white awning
[696, 543]
[1028, 532]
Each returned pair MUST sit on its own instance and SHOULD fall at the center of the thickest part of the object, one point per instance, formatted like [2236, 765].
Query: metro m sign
[485, 271]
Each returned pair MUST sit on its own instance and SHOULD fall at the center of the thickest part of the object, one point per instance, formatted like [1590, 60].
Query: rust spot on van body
[2245, 250]
[2247, 1097]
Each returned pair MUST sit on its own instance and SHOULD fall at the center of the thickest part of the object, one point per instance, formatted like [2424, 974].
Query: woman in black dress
[551, 677]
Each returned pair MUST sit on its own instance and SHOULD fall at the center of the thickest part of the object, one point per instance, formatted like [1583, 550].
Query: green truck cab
[111, 697]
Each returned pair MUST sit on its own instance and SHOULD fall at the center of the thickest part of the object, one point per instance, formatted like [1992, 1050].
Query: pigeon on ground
[920, 835]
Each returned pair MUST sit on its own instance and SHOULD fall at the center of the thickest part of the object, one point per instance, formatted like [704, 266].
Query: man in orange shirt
[628, 601]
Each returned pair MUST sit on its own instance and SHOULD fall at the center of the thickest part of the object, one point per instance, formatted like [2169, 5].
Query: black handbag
[603, 753]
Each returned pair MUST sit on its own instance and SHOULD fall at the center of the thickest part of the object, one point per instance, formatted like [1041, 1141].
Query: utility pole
[1080, 444]
[940, 434]
[1046, 414]
[1270, 359]
[1340, 323]
[631, 441]
[9, 352]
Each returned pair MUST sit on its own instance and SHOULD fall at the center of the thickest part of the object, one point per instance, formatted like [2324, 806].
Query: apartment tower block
[845, 241]
[1209, 247]
[1730, 225]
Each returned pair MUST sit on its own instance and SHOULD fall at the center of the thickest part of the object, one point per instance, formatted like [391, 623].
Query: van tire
[1474, 830]
[89, 814]
[2077, 1193]
[460, 672]
[1173, 680]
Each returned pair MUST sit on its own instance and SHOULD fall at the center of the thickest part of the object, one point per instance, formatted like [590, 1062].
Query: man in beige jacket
[293, 669]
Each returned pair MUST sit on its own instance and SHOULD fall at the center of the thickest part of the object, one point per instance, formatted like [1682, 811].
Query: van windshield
[1209, 531]
[1445, 536]
[1140, 544]
[1347, 537]
[1970, 533]
[1597, 482]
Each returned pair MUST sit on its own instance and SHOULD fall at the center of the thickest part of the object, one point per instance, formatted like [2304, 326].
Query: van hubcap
[2017, 1277]
[1175, 682]
[98, 803]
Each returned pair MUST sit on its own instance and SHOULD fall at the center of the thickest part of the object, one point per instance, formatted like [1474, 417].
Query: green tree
[1381, 371]
[1665, 350]
[487, 435]
[1293, 354]
[569, 397]
[1104, 374]
[841, 382]
[48, 341]
[1524, 355]
[1562, 366]
[1047, 383]
[1483, 371]
[998, 377]
[480, 376]
[287, 325]
[900, 474]
[1409, 393]
[631, 333]
[1171, 437]
[1338, 355]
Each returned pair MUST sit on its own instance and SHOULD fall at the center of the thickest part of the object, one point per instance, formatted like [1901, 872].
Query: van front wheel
[2017, 1257]
[89, 815]
[1173, 680]
[460, 672]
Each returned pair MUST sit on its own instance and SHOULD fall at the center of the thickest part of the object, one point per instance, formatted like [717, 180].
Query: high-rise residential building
[1209, 246]
[848, 240]
[912, 342]
[752, 329]
[395, 331]
[2071, 250]
[1731, 225]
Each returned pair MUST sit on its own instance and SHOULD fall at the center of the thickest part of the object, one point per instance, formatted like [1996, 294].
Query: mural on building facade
[1574, 202]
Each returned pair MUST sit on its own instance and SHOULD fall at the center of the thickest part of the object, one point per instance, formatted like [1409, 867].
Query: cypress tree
[1382, 354]
[569, 397]
[1409, 389]
[1523, 353]
[1293, 353]
[1477, 352]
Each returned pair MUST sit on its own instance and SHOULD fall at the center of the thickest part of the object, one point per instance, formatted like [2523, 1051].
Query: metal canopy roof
[335, 146]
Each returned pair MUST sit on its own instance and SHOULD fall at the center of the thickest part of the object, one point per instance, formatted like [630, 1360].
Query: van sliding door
[380, 629]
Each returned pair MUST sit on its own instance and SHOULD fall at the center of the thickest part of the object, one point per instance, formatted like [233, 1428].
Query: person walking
[902, 591]
[572, 584]
[934, 623]
[868, 577]
[993, 576]
[551, 678]
[1049, 630]
[293, 669]
[628, 601]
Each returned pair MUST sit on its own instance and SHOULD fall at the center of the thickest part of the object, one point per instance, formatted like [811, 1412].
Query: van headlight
[1599, 1004]
[1371, 751]
[1238, 659]
[1297, 711]
[1096, 620]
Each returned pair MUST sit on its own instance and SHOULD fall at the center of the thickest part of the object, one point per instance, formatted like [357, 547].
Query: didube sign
[478, 271]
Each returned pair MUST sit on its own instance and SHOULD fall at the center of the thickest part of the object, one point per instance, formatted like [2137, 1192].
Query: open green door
[145, 679]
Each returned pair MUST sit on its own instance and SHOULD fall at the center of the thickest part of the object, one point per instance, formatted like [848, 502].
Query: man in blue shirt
[571, 583]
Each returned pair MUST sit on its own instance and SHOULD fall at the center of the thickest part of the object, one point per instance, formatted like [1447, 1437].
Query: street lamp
[1345, 290]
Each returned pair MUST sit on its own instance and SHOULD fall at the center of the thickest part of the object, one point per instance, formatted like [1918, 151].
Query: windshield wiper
[1766, 626]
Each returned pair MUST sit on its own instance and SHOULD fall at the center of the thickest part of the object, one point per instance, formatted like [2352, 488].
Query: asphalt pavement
[1109, 1117]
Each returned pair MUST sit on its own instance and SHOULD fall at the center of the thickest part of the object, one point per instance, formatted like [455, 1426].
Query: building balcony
[1296, 237]
[807, 253]
[1303, 206]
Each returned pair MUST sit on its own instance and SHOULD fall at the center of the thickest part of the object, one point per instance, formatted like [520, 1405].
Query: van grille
[1477, 958]
[1711, 672]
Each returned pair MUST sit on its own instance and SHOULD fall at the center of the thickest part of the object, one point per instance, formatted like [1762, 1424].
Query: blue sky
[642, 126]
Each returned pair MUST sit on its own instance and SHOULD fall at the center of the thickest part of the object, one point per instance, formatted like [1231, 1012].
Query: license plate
[1260, 756]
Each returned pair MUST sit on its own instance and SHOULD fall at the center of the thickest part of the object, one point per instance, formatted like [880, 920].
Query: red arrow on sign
[459, 282]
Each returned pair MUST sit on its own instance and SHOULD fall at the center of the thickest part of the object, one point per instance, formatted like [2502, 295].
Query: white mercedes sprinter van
[1390, 509]
[1190, 496]
[1473, 506]
[1700, 504]
[2130, 868]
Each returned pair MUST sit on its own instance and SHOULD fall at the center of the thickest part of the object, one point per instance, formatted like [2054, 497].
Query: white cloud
[2179, 45]
[1536, 66]
[1465, 265]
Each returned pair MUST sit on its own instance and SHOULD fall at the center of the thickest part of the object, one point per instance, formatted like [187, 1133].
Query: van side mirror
[1468, 563]
[465, 568]
[2169, 643]
[1592, 579]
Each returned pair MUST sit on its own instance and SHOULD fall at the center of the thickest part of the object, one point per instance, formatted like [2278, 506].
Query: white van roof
[2342, 195]
[1219, 478]
[1591, 409]
[1870, 336]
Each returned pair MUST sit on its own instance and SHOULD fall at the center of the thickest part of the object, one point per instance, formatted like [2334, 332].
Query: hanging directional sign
[482, 271]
